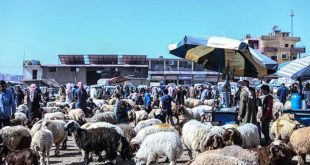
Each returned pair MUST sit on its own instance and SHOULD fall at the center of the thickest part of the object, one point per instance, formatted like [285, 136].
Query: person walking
[69, 94]
[7, 105]
[282, 93]
[165, 104]
[180, 94]
[33, 102]
[120, 110]
[147, 101]
[19, 96]
[80, 97]
[247, 105]
[266, 112]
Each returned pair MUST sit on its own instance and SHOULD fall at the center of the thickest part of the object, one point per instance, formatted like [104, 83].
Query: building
[178, 71]
[139, 69]
[87, 69]
[280, 46]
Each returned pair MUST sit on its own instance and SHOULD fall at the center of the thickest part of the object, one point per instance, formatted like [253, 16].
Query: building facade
[137, 68]
[280, 46]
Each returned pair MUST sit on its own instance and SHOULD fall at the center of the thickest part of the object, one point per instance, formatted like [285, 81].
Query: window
[274, 58]
[34, 74]
[294, 58]
[292, 46]
[137, 69]
[284, 56]
[52, 69]
[286, 45]
[74, 69]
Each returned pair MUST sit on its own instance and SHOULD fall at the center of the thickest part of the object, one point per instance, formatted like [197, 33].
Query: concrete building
[280, 46]
[139, 69]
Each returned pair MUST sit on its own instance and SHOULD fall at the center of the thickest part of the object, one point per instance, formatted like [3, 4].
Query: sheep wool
[160, 144]
[283, 128]
[102, 124]
[216, 159]
[42, 142]
[15, 137]
[109, 117]
[54, 115]
[143, 133]
[300, 143]
[249, 134]
[146, 123]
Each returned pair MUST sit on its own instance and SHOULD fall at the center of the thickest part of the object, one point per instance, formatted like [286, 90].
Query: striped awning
[218, 52]
[296, 69]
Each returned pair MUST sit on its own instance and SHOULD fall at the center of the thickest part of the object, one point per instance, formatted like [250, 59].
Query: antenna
[291, 13]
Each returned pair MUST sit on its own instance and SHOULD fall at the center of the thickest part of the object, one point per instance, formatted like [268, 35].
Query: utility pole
[291, 13]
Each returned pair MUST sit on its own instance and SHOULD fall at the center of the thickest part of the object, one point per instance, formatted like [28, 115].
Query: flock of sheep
[149, 138]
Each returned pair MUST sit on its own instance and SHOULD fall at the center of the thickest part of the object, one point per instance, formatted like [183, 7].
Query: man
[7, 105]
[192, 92]
[147, 101]
[165, 104]
[180, 95]
[19, 96]
[33, 102]
[247, 107]
[80, 97]
[282, 93]
[266, 112]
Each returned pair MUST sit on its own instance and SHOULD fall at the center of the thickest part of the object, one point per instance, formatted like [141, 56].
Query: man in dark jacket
[7, 105]
[80, 97]
[165, 104]
[33, 102]
[266, 112]
[282, 93]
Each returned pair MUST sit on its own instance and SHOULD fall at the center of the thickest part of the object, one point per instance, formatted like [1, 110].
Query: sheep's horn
[271, 150]
[281, 153]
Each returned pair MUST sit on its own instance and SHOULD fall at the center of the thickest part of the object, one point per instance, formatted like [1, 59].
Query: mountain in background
[10, 77]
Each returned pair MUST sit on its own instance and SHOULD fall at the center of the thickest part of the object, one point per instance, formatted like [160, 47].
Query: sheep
[51, 109]
[128, 130]
[160, 144]
[199, 113]
[22, 108]
[232, 137]
[209, 102]
[299, 142]
[154, 113]
[130, 102]
[276, 153]
[23, 117]
[102, 124]
[249, 134]
[109, 117]
[143, 133]
[192, 102]
[24, 156]
[276, 109]
[195, 136]
[288, 105]
[54, 115]
[106, 108]
[15, 137]
[146, 123]
[241, 155]
[88, 141]
[216, 159]
[57, 127]
[282, 129]
[77, 115]
[137, 116]
[42, 142]
[112, 101]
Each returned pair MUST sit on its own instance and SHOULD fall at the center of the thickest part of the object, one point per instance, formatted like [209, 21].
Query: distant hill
[10, 77]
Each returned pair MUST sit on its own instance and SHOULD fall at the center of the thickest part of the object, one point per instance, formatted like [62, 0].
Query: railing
[270, 49]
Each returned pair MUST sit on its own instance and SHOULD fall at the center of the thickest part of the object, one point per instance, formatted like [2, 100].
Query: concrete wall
[64, 75]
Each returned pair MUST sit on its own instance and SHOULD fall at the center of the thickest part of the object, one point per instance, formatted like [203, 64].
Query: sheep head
[3, 151]
[279, 150]
[72, 126]
[232, 137]
[215, 142]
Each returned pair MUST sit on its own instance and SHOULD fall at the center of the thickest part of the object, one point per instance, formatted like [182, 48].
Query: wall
[64, 75]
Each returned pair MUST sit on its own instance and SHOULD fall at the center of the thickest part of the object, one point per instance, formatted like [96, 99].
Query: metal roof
[103, 59]
[72, 59]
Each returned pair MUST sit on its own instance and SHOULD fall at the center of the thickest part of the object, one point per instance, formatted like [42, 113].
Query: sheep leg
[64, 144]
[57, 148]
[85, 156]
[301, 159]
[48, 157]
[150, 158]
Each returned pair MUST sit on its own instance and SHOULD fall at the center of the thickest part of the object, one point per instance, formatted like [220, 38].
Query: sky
[43, 29]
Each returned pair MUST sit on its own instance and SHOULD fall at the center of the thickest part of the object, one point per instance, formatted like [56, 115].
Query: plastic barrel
[296, 101]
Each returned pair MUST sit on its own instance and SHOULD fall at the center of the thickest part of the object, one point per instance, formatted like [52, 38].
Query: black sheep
[232, 137]
[98, 140]
[24, 156]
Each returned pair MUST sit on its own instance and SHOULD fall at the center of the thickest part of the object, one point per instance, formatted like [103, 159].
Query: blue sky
[42, 29]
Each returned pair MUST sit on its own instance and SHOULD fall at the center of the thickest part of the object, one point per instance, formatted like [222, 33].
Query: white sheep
[249, 134]
[102, 124]
[288, 105]
[42, 142]
[242, 155]
[160, 144]
[137, 115]
[300, 143]
[51, 109]
[209, 102]
[276, 109]
[216, 159]
[195, 136]
[106, 108]
[57, 127]
[146, 123]
[199, 113]
[282, 129]
[154, 113]
[189, 102]
[23, 117]
[77, 115]
[143, 133]
[109, 117]
[22, 108]
[54, 115]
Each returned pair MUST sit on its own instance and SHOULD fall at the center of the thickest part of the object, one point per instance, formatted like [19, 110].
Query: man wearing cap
[247, 107]
[7, 105]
